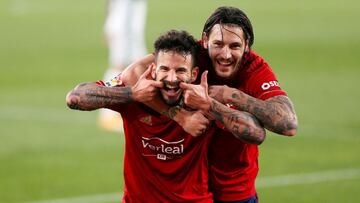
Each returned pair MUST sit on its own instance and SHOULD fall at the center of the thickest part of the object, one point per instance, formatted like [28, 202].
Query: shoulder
[253, 62]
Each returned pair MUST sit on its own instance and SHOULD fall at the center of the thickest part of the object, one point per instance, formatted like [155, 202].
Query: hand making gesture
[146, 88]
[197, 96]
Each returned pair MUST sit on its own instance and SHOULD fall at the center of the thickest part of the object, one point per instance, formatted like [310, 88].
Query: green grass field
[48, 152]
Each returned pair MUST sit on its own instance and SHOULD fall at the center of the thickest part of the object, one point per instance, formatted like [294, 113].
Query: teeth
[225, 63]
[171, 86]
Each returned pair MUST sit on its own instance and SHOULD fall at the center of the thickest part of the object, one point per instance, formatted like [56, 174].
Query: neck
[231, 81]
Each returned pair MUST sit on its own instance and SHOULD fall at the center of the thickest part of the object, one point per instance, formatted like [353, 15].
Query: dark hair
[230, 15]
[178, 41]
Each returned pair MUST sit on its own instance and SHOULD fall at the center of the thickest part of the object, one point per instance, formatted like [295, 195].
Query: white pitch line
[100, 198]
[262, 182]
[46, 114]
[307, 178]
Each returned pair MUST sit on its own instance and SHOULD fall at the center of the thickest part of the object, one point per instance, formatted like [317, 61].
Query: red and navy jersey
[234, 163]
[162, 162]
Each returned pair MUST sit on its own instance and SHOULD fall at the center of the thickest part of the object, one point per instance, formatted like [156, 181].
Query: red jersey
[162, 162]
[234, 163]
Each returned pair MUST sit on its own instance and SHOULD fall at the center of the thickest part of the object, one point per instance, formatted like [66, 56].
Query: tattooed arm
[241, 124]
[91, 96]
[277, 113]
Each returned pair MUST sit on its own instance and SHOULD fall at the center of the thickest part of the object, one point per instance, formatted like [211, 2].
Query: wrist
[207, 105]
[176, 115]
[172, 113]
[227, 99]
[131, 91]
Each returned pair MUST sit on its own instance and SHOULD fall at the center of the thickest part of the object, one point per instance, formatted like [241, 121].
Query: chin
[171, 101]
[223, 74]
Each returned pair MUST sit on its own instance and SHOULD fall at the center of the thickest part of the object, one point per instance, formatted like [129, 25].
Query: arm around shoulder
[242, 125]
[282, 115]
[277, 113]
[133, 72]
[91, 96]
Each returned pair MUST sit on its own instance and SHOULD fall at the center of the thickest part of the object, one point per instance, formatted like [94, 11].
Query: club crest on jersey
[116, 81]
[146, 120]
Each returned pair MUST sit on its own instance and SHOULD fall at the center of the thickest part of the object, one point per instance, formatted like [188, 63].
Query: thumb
[204, 80]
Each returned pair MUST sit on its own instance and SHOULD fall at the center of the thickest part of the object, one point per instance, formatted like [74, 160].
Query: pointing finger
[158, 84]
[185, 86]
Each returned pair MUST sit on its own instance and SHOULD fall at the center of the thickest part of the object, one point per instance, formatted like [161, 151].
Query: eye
[217, 44]
[235, 46]
[181, 70]
[163, 68]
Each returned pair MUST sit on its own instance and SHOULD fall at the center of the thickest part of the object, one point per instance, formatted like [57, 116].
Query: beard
[174, 100]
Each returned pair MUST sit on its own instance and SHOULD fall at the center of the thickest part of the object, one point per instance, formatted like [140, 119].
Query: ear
[153, 70]
[247, 47]
[194, 73]
[205, 40]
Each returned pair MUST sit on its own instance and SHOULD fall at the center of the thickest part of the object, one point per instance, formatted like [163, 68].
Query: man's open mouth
[224, 63]
[172, 88]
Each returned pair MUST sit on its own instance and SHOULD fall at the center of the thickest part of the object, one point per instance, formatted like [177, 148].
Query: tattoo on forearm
[277, 113]
[105, 96]
[91, 96]
[241, 124]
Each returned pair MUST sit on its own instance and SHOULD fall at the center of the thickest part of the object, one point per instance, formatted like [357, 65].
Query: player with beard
[162, 162]
[240, 79]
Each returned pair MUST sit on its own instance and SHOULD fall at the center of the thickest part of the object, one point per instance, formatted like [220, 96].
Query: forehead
[173, 59]
[227, 31]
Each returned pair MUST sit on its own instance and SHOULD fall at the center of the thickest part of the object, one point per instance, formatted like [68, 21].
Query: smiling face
[226, 46]
[172, 68]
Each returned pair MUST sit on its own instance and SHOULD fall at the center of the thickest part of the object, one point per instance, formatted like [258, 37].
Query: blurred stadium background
[49, 153]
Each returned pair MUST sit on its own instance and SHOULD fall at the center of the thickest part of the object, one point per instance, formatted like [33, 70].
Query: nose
[171, 77]
[225, 52]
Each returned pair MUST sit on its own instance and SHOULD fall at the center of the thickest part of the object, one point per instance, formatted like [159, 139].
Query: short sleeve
[263, 83]
[114, 82]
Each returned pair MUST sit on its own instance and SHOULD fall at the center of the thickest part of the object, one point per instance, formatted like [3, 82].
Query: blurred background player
[124, 31]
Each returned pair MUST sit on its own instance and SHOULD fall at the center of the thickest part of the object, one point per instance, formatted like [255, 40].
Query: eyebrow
[182, 68]
[162, 66]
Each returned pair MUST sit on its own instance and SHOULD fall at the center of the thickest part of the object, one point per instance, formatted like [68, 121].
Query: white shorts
[124, 29]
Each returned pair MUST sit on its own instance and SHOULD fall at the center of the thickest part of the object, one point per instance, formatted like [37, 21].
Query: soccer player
[124, 30]
[242, 80]
[162, 162]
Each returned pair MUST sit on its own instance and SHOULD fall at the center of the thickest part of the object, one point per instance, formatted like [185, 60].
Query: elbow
[290, 132]
[256, 135]
[260, 135]
[291, 129]
[72, 100]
